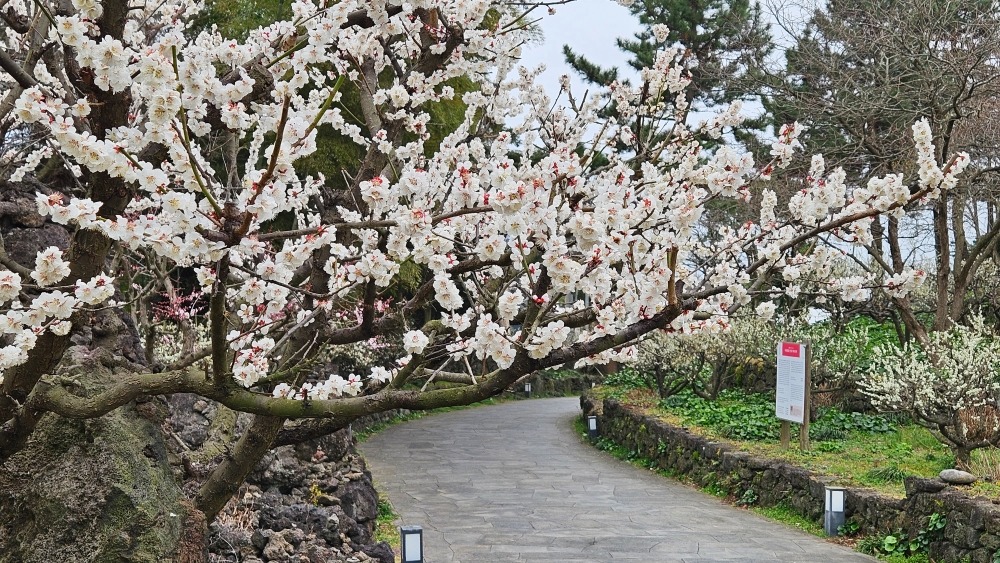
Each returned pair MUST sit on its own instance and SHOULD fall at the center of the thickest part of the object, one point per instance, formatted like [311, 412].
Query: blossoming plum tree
[950, 386]
[184, 148]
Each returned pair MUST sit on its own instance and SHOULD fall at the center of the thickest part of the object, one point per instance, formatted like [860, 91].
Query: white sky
[590, 27]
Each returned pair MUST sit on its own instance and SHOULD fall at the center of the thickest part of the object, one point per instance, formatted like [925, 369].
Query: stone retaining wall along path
[513, 482]
[972, 532]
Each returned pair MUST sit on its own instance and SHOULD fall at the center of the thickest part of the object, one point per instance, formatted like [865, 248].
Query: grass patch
[786, 515]
[859, 451]
[385, 524]
[899, 558]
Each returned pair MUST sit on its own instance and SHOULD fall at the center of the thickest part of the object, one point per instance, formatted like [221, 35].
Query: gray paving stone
[512, 482]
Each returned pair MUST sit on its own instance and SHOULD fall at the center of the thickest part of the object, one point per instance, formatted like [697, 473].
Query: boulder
[957, 477]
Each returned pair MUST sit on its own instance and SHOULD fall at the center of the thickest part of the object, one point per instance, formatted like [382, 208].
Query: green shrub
[826, 434]
[628, 378]
[832, 421]
[750, 417]
[830, 447]
[849, 528]
[903, 549]
[748, 498]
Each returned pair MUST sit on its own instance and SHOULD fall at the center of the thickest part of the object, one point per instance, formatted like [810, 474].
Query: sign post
[807, 407]
[791, 401]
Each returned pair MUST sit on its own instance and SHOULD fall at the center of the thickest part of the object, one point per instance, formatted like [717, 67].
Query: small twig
[180, 441]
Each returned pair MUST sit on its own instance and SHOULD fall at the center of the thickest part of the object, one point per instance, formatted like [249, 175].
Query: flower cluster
[958, 370]
[527, 246]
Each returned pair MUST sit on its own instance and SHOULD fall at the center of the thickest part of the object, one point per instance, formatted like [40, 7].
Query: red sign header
[791, 349]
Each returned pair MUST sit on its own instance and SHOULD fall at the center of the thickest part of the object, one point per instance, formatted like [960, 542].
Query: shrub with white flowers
[709, 361]
[186, 147]
[952, 386]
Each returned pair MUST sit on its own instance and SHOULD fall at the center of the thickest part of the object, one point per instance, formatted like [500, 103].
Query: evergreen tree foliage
[723, 38]
[862, 71]
[859, 75]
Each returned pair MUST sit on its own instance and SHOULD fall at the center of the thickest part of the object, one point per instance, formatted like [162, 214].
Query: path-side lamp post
[527, 389]
[412, 544]
[833, 517]
[592, 427]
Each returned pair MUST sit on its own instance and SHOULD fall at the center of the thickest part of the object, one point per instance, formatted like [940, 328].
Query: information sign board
[790, 398]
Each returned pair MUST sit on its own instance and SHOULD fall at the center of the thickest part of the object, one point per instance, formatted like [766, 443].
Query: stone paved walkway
[512, 482]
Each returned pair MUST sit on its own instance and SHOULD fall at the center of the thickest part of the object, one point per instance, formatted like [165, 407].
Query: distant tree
[949, 386]
[722, 41]
[859, 74]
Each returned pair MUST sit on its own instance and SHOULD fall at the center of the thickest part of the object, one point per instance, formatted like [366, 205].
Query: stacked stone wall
[972, 532]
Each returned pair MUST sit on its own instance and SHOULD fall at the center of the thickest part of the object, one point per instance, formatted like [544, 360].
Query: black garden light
[592, 427]
[412, 544]
[833, 517]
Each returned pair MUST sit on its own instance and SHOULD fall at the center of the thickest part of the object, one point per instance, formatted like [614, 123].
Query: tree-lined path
[512, 482]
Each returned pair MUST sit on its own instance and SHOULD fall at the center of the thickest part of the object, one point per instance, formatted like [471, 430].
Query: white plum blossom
[282, 390]
[784, 147]
[54, 304]
[415, 341]
[900, 285]
[50, 268]
[446, 292]
[95, 291]
[509, 304]
[660, 32]
[546, 339]
[958, 370]
[766, 310]
[380, 375]
[518, 256]
[10, 285]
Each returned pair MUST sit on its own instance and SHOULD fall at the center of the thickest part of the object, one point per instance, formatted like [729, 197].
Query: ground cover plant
[859, 449]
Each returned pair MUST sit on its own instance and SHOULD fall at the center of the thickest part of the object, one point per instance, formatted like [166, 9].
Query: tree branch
[20, 75]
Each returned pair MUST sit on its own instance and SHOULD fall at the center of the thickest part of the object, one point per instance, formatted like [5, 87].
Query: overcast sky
[590, 27]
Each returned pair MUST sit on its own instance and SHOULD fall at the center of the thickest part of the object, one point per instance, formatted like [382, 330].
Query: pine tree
[859, 75]
[723, 39]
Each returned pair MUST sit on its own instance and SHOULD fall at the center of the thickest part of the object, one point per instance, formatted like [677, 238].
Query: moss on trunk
[97, 491]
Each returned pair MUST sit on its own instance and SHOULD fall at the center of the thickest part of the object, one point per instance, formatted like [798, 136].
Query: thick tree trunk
[232, 472]
[963, 457]
[942, 251]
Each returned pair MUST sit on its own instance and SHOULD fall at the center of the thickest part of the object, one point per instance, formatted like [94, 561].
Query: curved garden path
[512, 482]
